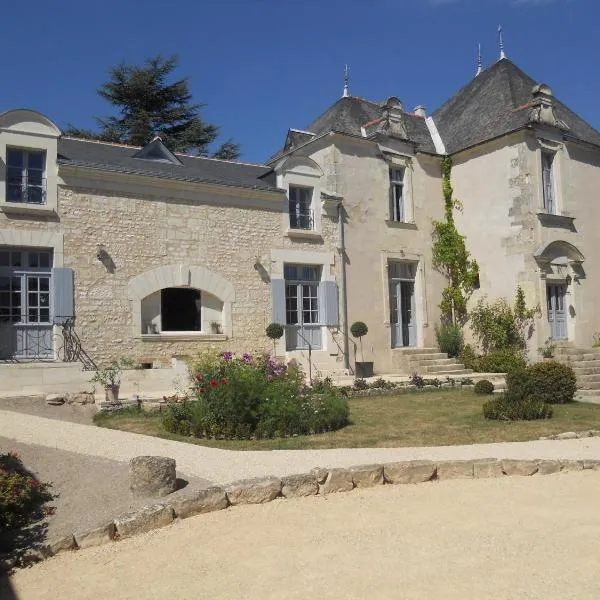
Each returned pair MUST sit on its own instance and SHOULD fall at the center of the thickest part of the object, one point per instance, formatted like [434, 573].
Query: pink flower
[213, 383]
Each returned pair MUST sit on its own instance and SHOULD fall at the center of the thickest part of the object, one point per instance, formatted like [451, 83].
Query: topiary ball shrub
[505, 409]
[274, 331]
[551, 382]
[484, 386]
[358, 329]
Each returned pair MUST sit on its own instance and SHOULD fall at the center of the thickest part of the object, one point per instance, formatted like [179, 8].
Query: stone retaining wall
[317, 482]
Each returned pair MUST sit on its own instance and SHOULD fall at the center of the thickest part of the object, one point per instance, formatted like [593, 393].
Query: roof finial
[346, 81]
[479, 63]
[502, 54]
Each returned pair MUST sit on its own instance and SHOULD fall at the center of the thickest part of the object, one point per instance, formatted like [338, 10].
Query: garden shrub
[483, 386]
[552, 382]
[469, 358]
[506, 409]
[254, 396]
[501, 360]
[22, 496]
[449, 339]
[360, 384]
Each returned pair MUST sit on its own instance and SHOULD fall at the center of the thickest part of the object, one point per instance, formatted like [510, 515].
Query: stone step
[589, 385]
[588, 378]
[428, 357]
[455, 373]
[588, 369]
[416, 364]
[580, 357]
[409, 351]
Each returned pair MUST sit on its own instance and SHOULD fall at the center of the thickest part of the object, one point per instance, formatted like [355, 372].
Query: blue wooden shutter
[278, 293]
[62, 295]
[329, 303]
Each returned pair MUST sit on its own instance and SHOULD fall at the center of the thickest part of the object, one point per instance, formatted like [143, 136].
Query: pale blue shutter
[62, 295]
[329, 303]
[278, 293]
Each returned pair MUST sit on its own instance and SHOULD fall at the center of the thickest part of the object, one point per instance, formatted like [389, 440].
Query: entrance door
[402, 305]
[555, 295]
[25, 316]
[303, 328]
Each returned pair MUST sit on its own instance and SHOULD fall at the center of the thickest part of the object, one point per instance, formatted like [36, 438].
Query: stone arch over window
[559, 259]
[557, 249]
[215, 294]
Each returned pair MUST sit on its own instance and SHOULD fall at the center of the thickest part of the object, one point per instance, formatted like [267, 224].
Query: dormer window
[300, 206]
[25, 176]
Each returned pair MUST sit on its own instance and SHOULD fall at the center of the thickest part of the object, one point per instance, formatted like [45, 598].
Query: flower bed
[253, 397]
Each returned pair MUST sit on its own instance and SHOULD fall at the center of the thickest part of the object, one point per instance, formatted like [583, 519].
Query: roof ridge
[104, 142]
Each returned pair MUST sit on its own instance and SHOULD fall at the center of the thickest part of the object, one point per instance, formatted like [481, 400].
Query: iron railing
[20, 189]
[301, 218]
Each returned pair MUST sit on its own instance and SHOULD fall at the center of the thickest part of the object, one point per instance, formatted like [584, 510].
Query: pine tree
[149, 105]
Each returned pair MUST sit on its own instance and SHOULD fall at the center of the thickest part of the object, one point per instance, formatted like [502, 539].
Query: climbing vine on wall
[451, 257]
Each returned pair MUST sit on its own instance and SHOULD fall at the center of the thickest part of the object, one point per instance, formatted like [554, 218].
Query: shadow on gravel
[6, 589]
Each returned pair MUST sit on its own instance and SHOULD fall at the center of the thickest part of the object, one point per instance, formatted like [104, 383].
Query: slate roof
[495, 103]
[116, 158]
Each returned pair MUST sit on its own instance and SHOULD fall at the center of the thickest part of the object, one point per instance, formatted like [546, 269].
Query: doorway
[555, 300]
[402, 305]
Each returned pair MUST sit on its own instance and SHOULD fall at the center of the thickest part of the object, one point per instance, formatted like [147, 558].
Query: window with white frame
[25, 176]
[300, 208]
[548, 182]
[397, 208]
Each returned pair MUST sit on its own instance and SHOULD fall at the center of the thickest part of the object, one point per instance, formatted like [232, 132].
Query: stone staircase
[427, 362]
[586, 364]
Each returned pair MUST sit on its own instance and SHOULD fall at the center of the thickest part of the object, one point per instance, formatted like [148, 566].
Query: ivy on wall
[451, 257]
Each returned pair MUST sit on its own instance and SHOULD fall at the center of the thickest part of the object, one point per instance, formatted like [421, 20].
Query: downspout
[342, 252]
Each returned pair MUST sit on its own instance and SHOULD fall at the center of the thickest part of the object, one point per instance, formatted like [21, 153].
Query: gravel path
[221, 466]
[509, 538]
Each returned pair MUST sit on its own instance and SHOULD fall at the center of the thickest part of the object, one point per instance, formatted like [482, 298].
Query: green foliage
[254, 396]
[547, 350]
[358, 329]
[528, 409]
[108, 376]
[449, 339]
[483, 386]
[501, 360]
[150, 105]
[499, 325]
[551, 382]
[360, 384]
[469, 358]
[596, 341]
[274, 331]
[22, 496]
[451, 257]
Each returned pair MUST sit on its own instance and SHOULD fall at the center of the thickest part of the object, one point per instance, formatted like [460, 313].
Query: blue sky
[262, 66]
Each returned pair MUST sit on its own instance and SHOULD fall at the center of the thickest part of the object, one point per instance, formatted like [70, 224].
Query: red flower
[201, 390]
[213, 383]
[165, 398]
[223, 381]
[198, 377]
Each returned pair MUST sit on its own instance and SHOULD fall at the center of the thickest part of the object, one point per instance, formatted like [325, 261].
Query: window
[180, 309]
[301, 213]
[25, 177]
[302, 306]
[397, 212]
[548, 186]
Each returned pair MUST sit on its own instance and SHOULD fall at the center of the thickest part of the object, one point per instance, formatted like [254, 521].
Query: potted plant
[110, 379]
[215, 327]
[547, 350]
[363, 369]
[274, 332]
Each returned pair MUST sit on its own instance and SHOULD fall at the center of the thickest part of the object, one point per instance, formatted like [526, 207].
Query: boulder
[294, 486]
[455, 469]
[55, 399]
[549, 467]
[144, 519]
[571, 465]
[591, 464]
[208, 500]
[567, 435]
[95, 537]
[338, 480]
[367, 475]
[414, 471]
[524, 468]
[152, 476]
[487, 468]
[253, 491]
[319, 474]
[61, 544]
[80, 398]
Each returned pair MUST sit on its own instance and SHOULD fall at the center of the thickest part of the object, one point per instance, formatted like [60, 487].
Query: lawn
[428, 418]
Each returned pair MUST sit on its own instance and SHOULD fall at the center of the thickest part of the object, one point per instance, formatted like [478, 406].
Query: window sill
[560, 221]
[401, 224]
[28, 209]
[306, 234]
[183, 336]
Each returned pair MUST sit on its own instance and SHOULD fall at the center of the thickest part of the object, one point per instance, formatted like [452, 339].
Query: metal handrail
[301, 218]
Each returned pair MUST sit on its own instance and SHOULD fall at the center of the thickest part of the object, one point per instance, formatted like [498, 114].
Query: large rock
[96, 537]
[567, 435]
[337, 480]
[415, 471]
[144, 519]
[591, 464]
[208, 500]
[294, 486]
[487, 468]
[524, 468]
[549, 467]
[571, 465]
[80, 398]
[61, 544]
[152, 475]
[367, 475]
[455, 469]
[253, 491]
[55, 399]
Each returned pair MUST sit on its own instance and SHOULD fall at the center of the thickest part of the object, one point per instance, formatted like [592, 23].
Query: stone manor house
[150, 255]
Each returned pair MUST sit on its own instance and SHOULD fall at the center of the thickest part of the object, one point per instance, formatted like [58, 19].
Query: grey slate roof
[349, 114]
[495, 103]
[111, 157]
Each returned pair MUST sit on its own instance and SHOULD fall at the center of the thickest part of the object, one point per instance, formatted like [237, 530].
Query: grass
[428, 418]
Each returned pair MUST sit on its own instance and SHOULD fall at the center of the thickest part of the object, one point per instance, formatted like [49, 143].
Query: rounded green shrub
[551, 382]
[358, 329]
[449, 339]
[501, 360]
[517, 384]
[274, 331]
[483, 386]
[505, 409]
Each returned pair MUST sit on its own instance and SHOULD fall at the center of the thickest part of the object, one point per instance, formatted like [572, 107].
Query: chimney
[420, 111]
